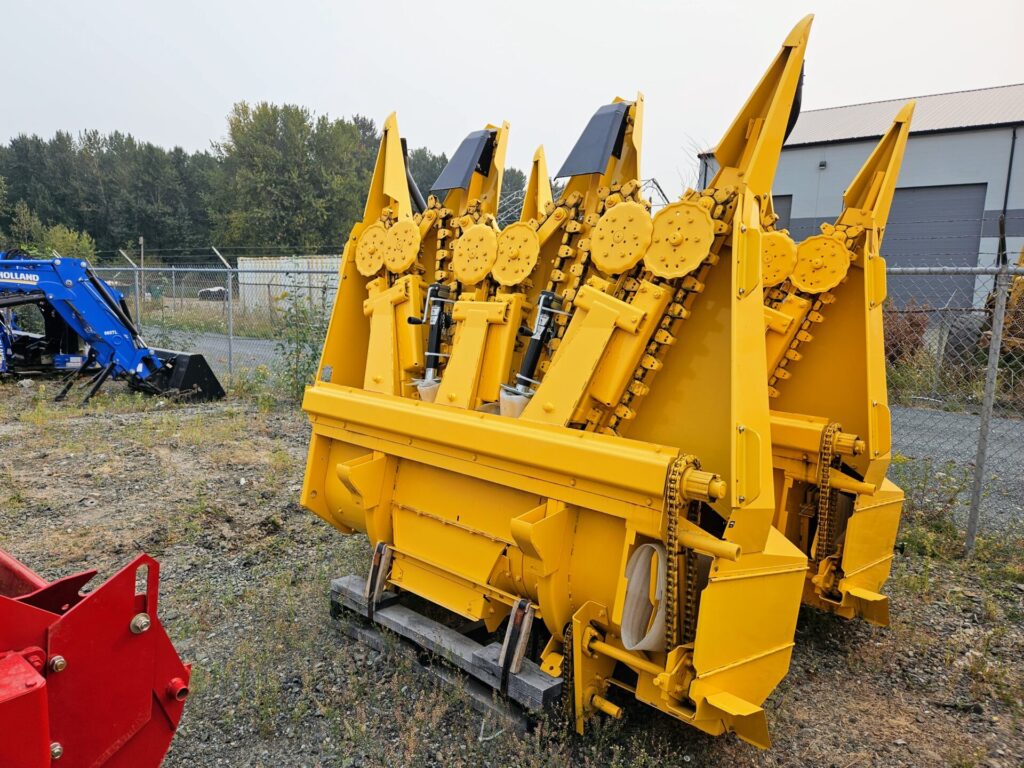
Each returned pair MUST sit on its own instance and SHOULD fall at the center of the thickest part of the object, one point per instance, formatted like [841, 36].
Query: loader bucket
[185, 375]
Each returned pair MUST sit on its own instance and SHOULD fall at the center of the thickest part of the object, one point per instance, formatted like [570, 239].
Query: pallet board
[531, 688]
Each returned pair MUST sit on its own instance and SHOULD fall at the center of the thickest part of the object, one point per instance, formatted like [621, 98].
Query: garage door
[783, 205]
[934, 227]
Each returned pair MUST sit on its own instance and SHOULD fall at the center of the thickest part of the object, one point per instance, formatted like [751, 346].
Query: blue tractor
[87, 331]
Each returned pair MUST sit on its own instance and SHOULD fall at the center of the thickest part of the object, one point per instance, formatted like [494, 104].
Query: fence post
[174, 287]
[229, 285]
[991, 378]
[138, 305]
[231, 321]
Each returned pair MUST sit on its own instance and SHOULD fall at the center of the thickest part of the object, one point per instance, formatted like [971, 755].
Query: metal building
[275, 282]
[961, 171]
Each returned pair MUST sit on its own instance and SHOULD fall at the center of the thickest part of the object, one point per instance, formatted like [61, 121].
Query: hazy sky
[168, 72]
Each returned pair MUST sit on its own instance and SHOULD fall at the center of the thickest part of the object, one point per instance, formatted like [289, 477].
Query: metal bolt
[140, 623]
[58, 664]
[742, 499]
[741, 428]
[56, 750]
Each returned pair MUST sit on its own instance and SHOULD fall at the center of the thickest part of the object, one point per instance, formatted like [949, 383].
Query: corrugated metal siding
[942, 111]
[274, 282]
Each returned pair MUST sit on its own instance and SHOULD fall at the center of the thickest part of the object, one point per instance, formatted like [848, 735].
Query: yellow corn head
[566, 422]
[823, 315]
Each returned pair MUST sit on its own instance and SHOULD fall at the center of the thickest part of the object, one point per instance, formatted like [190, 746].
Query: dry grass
[212, 491]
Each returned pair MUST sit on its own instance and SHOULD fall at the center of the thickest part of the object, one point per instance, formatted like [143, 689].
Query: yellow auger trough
[563, 431]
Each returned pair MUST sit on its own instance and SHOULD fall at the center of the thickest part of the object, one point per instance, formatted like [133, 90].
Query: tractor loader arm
[96, 313]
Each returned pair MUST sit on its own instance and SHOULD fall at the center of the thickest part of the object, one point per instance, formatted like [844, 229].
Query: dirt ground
[212, 491]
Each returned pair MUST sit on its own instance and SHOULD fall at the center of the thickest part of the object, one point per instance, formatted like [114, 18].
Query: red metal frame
[90, 676]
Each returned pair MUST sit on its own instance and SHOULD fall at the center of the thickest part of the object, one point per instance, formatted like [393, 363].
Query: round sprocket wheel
[778, 257]
[518, 251]
[621, 238]
[821, 264]
[402, 245]
[681, 240]
[370, 249]
[475, 254]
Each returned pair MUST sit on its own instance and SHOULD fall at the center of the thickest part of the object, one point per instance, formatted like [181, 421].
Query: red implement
[86, 680]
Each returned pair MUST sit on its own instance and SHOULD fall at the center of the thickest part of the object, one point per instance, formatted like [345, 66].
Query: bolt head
[140, 623]
[56, 750]
[58, 664]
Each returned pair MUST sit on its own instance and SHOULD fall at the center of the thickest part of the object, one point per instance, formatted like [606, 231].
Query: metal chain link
[826, 495]
[673, 505]
[568, 675]
[674, 502]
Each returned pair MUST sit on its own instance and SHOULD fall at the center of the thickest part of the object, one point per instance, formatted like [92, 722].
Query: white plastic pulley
[512, 403]
[427, 389]
[643, 624]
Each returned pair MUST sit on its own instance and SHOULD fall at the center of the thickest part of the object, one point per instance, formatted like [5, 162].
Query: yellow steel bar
[708, 544]
[630, 465]
[631, 660]
[642, 510]
[601, 703]
[841, 482]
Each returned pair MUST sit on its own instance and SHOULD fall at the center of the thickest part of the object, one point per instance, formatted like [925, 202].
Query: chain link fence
[263, 324]
[256, 325]
[955, 361]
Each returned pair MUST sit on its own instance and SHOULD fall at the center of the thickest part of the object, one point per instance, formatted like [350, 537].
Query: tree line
[283, 180]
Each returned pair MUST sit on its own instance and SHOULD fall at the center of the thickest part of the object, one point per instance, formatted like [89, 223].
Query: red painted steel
[92, 676]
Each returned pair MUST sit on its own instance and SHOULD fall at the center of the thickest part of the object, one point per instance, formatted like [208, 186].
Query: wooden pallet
[530, 687]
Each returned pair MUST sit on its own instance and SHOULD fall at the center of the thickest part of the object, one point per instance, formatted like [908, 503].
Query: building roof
[1001, 105]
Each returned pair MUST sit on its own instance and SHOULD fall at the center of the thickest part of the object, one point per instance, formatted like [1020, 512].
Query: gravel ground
[246, 353]
[211, 492]
[931, 440]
